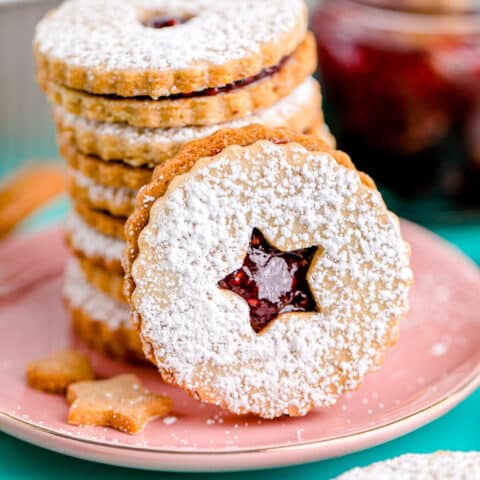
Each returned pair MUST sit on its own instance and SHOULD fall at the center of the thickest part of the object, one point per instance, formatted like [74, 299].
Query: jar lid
[428, 6]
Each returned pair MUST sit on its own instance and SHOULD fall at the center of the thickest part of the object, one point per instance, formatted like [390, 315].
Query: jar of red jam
[401, 80]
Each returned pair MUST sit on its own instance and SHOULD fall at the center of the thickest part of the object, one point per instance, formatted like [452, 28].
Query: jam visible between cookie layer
[160, 21]
[209, 92]
[272, 282]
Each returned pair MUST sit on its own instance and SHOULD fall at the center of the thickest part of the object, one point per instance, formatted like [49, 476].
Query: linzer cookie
[113, 174]
[160, 48]
[434, 466]
[149, 147]
[98, 319]
[267, 276]
[107, 282]
[134, 80]
[118, 201]
[121, 342]
[98, 249]
[101, 221]
[209, 107]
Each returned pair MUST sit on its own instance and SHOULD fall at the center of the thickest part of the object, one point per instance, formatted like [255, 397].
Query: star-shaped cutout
[272, 282]
[120, 402]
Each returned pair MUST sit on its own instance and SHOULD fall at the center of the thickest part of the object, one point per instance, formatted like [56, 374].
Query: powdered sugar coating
[91, 242]
[108, 35]
[198, 233]
[304, 97]
[100, 307]
[98, 192]
[437, 466]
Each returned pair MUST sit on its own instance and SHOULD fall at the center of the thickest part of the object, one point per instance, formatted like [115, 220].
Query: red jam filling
[163, 21]
[266, 72]
[209, 92]
[272, 282]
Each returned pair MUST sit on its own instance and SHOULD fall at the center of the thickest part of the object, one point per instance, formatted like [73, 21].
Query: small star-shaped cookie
[271, 281]
[120, 402]
[55, 373]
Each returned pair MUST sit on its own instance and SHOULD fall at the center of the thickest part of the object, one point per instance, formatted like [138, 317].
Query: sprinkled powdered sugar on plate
[109, 34]
[97, 191]
[198, 233]
[439, 349]
[169, 420]
[300, 99]
[90, 241]
[81, 294]
[437, 466]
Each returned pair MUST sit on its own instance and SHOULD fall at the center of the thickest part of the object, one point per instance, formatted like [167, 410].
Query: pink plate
[435, 365]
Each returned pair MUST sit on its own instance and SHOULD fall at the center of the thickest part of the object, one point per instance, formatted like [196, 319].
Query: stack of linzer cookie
[132, 81]
[263, 272]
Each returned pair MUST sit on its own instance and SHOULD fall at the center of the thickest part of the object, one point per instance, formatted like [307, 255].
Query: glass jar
[401, 80]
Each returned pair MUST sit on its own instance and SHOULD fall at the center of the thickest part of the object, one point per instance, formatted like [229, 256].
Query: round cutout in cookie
[120, 47]
[267, 276]
[194, 110]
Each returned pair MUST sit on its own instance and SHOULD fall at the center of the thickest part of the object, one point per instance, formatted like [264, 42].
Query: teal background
[457, 430]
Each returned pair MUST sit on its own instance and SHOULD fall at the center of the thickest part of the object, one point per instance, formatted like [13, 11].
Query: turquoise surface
[457, 430]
